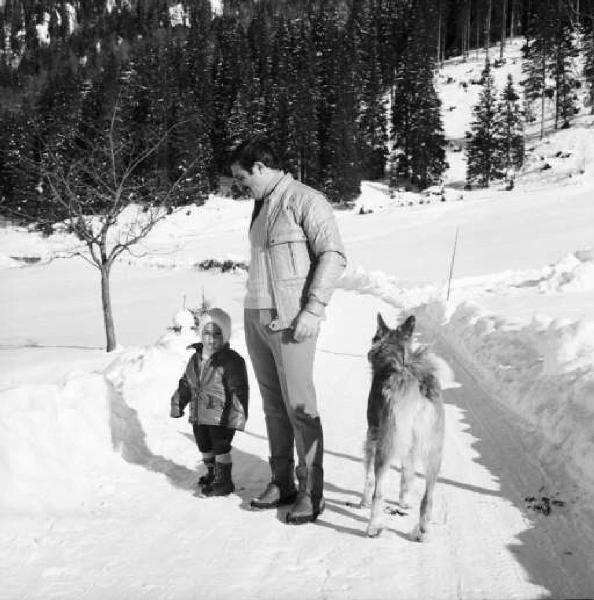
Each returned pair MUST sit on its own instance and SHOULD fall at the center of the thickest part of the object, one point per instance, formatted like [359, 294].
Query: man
[297, 256]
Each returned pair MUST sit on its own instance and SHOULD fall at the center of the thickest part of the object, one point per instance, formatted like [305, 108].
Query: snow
[96, 481]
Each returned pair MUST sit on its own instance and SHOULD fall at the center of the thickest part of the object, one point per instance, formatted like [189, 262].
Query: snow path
[146, 536]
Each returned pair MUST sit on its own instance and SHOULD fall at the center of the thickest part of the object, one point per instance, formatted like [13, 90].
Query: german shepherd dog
[405, 422]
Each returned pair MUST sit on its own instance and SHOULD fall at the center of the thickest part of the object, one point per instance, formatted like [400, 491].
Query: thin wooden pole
[452, 264]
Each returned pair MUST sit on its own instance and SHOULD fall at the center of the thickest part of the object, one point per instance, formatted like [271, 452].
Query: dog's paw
[396, 511]
[361, 504]
[373, 531]
[418, 534]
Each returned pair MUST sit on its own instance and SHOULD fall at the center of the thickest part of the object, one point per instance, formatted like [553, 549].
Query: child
[215, 385]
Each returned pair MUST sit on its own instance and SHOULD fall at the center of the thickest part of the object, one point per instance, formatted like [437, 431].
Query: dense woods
[344, 89]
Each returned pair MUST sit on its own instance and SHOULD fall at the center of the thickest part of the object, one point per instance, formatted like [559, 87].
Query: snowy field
[96, 482]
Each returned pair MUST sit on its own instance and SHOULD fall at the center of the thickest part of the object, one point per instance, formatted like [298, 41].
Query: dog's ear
[381, 325]
[407, 328]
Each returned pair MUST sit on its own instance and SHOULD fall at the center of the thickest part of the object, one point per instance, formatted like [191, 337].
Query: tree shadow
[129, 438]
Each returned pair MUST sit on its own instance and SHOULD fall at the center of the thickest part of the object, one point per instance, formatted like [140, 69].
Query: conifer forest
[344, 90]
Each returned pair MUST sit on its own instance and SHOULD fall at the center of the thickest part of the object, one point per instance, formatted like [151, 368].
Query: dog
[405, 422]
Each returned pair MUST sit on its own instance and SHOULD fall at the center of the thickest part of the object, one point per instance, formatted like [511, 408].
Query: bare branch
[178, 180]
[111, 144]
[149, 151]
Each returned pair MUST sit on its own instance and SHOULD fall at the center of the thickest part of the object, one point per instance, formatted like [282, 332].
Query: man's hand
[307, 325]
[175, 412]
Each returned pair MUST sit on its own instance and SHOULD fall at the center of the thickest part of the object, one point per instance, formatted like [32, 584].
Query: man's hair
[252, 151]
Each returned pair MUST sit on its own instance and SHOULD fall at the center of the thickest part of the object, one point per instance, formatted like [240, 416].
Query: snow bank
[59, 444]
[543, 371]
[55, 443]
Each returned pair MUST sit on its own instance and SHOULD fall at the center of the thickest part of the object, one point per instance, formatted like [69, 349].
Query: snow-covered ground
[96, 482]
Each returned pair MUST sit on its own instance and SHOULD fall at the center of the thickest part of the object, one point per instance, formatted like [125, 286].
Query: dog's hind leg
[420, 532]
[383, 455]
[407, 477]
[431, 467]
[369, 483]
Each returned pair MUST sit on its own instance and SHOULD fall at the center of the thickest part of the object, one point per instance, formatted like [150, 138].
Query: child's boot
[209, 476]
[222, 484]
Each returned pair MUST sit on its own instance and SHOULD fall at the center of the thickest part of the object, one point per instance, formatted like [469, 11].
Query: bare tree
[106, 199]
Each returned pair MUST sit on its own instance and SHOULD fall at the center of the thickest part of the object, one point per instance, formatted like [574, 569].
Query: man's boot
[207, 479]
[222, 484]
[281, 489]
[310, 499]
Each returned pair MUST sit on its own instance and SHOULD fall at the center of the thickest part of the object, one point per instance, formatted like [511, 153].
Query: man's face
[255, 181]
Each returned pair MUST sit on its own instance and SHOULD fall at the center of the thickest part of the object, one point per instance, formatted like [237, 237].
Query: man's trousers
[284, 371]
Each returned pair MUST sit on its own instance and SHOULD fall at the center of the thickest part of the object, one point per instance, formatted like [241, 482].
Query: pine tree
[19, 151]
[417, 136]
[343, 172]
[589, 66]
[363, 36]
[563, 73]
[484, 162]
[326, 48]
[549, 56]
[511, 130]
[536, 54]
[279, 101]
[302, 153]
[198, 105]
[230, 50]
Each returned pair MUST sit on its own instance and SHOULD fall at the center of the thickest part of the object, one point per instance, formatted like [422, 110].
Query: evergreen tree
[325, 39]
[484, 162]
[549, 56]
[511, 130]
[563, 73]
[229, 52]
[343, 172]
[199, 75]
[363, 36]
[417, 132]
[19, 179]
[279, 101]
[589, 65]
[302, 153]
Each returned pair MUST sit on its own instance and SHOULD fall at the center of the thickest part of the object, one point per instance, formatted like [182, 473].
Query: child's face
[212, 338]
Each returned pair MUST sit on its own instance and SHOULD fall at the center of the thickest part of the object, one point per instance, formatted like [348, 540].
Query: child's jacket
[216, 389]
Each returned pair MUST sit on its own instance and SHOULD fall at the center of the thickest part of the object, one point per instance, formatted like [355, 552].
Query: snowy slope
[96, 482]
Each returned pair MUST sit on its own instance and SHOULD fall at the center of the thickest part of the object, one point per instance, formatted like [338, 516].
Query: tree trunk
[468, 28]
[542, 99]
[478, 35]
[107, 312]
[488, 29]
[439, 37]
[512, 19]
[503, 27]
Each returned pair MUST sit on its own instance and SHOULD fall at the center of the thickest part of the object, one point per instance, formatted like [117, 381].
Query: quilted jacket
[215, 389]
[305, 253]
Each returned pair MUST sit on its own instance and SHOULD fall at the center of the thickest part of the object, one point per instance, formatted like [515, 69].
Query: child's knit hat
[219, 317]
